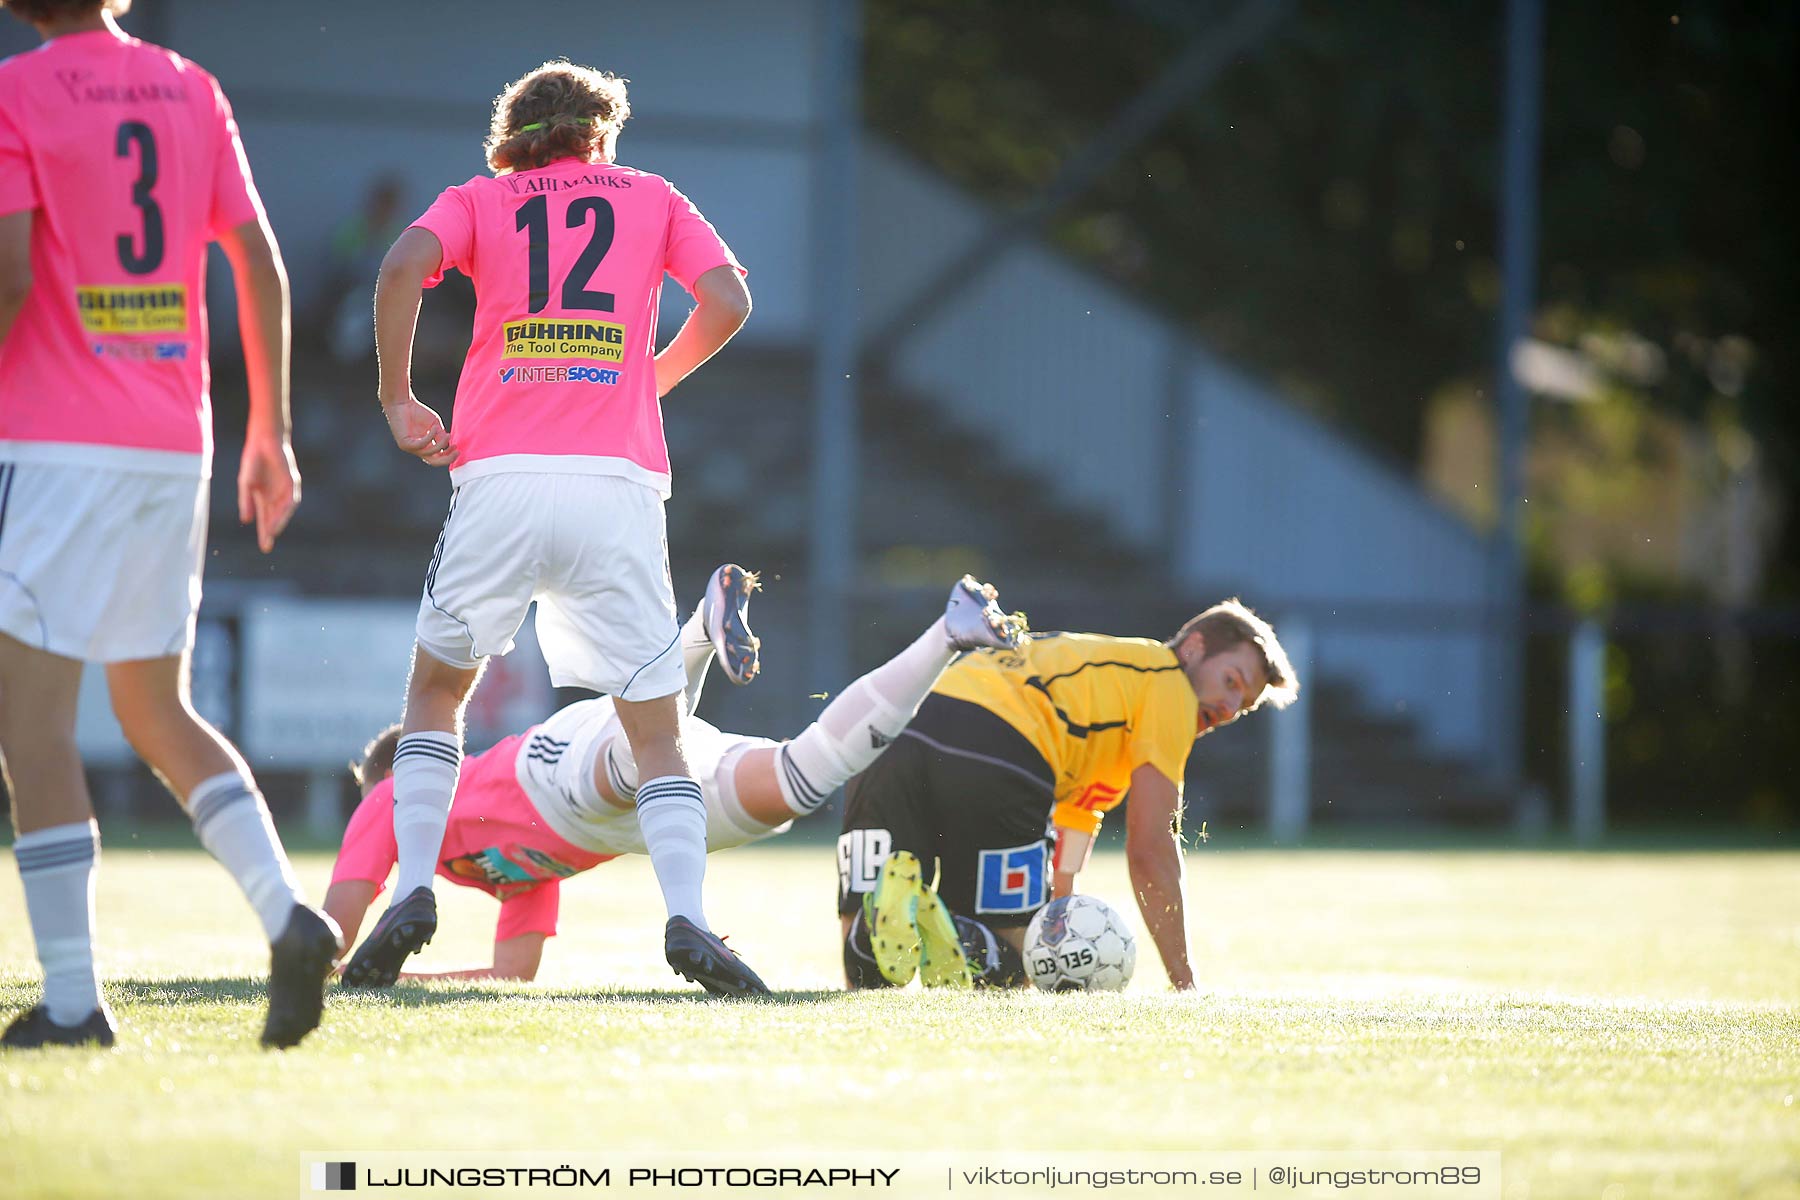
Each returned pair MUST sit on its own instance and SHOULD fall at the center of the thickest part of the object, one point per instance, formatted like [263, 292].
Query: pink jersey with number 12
[568, 262]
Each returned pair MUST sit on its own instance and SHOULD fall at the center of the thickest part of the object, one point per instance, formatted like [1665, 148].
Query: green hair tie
[540, 124]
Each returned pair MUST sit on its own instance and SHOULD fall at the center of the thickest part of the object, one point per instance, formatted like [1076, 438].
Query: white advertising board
[321, 677]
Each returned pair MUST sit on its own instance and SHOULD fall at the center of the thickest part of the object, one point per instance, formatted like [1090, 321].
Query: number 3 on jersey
[533, 220]
[151, 258]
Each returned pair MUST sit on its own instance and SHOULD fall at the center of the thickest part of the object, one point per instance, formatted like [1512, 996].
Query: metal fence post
[1587, 732]
[1521, 137]
[834, 418]
[1290, 744]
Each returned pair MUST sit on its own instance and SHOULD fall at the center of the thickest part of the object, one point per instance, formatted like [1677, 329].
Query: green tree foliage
[1325, 209]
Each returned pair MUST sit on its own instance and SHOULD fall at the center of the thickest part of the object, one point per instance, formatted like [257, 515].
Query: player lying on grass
[1011, 741]
[557, 799]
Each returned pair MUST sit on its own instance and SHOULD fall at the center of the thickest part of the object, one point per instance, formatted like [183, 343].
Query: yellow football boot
[942, 962]
[890, 913]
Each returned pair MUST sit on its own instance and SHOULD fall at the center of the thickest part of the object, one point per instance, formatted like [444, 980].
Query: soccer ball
[1079, 944]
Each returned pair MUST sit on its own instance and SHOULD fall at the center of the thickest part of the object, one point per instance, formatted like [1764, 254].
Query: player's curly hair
[1230, 623]
[559, 110]
[377, 761]
[39, 11]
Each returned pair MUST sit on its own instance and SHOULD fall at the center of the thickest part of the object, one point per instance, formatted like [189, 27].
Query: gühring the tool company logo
[601, 341]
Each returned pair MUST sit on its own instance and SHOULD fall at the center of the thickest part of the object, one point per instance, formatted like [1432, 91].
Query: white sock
[861, 722]
[425, 769]
[672, 815]
[234, 825]
[696, 656]
[57, 867]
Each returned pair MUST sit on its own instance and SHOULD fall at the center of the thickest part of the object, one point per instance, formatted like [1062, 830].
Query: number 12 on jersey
[533, 220]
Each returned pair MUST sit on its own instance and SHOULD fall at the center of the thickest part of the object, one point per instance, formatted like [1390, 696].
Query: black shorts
[965, 791]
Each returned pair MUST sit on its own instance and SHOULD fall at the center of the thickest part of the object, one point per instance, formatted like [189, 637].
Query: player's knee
[657, 751]
[15, 719]
[651, 723]
[437, 691]
[26, 718]
[25, 744]
[153, 724]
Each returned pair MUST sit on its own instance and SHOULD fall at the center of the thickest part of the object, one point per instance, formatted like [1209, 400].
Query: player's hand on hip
[268, 487]
[418, 431]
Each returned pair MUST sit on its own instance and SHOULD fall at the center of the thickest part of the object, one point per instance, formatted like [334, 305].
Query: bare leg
[155, 707]
[759, 787]
[152, 699]
[436, 695]
[653, 730]
[38, 695]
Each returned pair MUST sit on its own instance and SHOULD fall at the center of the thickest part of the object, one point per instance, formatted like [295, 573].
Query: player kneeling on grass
[1003, 778]
[558, 798]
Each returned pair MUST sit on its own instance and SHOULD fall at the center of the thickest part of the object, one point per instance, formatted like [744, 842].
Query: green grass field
[1616, 1025]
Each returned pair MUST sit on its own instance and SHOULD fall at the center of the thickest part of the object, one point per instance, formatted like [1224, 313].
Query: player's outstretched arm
[347, 902]
[722, 305]
[515, 958]
[15, 267]
[1153, 856]
[268, 478]
[1073, 828]
[411, 260]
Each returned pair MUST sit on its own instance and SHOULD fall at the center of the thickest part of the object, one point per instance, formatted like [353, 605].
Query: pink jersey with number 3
[127, 157]
[568, 262]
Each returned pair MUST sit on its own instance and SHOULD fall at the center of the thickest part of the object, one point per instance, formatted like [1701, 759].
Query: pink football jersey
[568, 262]
[127, 156]
[495, 841]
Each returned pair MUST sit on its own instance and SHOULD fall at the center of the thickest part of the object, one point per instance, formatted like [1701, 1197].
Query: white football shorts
[556, 768]
[591, 550]
[99, 564]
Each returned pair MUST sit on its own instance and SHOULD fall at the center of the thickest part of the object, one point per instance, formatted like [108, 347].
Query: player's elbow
[513, 972]
[255, 258]
[1147, 857]
[737, 306]
[410, 261]
[394, 274]
[724, 295]
[517, 958]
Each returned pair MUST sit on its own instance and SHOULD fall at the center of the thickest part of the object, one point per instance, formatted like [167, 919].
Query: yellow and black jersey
[1095, 707]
